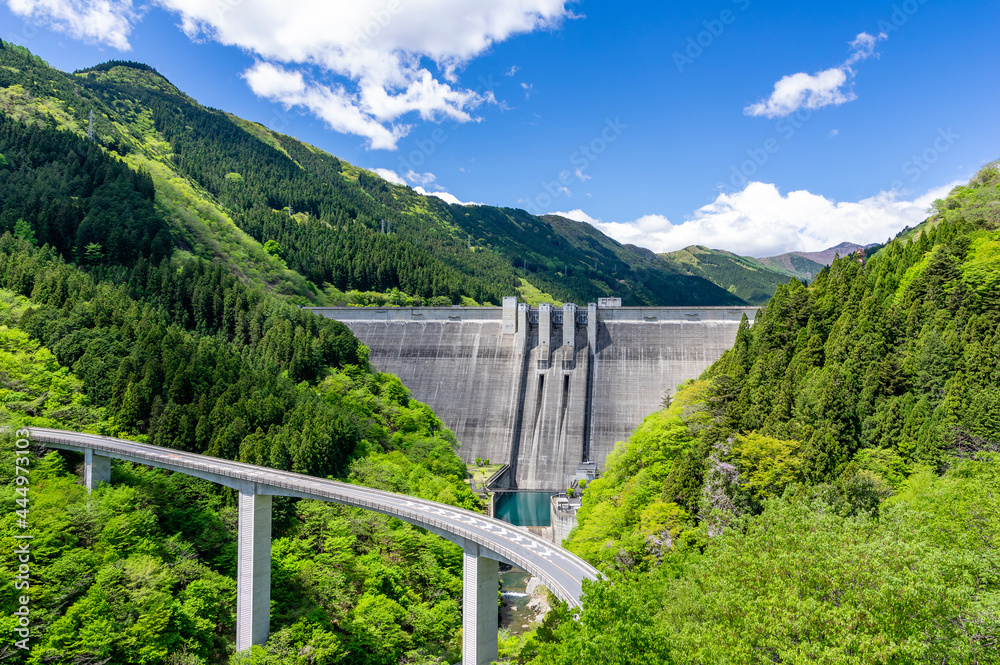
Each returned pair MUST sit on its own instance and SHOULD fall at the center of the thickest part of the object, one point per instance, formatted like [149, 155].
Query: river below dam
[515, 615]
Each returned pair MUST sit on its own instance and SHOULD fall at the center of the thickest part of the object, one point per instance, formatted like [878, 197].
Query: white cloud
[94, 21]
[390, 176]
[419, 178]
[578, 215]
[377, 51]
[444, 196]
[363, 66]
[760, 221]
[814, 91]
[513, 70]
[333, 104]
[863, 47]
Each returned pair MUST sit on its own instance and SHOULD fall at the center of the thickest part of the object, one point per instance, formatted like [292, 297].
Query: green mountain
[228, 187]
[748, 279]
[837, 469]
[806, 265]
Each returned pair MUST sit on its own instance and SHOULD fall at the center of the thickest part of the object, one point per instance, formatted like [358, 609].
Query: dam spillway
[542, 389]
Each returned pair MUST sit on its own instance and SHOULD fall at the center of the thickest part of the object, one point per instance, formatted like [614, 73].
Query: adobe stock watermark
[227, 5]
[379, 21]
[920, 163]
[900, 15]
[784, 129]
[699, 42]
[913, 168]
[22, 549]
[580, 160]
[29, 30]
[425, 148]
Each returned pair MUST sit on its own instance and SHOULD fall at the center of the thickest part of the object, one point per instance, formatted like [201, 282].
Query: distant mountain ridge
[806, 265]
[743, 276]
[793, 263]
[826, 256]
[754, 280]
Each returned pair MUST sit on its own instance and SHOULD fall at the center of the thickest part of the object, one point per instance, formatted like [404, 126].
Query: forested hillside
[744, 277]
[829, 490]
[185, 356]
[227, 188]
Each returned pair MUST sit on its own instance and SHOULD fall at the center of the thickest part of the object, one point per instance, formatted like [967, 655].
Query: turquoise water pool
[523, 508]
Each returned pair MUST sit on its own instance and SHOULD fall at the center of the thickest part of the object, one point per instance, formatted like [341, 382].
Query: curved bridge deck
[484, 540]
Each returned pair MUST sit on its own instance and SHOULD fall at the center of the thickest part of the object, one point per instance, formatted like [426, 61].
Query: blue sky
[750, 125]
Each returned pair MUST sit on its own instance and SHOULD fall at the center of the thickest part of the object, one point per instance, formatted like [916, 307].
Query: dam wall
[542, 389]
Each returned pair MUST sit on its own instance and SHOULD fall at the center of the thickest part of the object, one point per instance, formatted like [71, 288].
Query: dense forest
[829, 490]
[187, 357]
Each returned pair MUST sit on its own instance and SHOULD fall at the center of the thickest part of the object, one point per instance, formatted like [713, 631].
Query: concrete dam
[542, 389]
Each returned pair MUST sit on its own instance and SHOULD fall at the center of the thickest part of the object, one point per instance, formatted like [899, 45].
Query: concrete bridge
[484, 541]
[544, 388]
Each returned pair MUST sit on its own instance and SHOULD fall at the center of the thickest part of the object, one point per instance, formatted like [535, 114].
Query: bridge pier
[480, 612]
[96, 469]
[253, 569]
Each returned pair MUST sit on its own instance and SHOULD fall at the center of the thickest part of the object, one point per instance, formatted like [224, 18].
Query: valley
[796, 456]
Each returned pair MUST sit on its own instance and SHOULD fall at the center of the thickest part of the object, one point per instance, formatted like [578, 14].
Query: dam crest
[542, 388]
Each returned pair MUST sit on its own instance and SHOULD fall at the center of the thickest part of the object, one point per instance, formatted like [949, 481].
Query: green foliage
[828, 490]
[142, 571]
[32, 384]
[70, 194]
[768, 465]
[23, 231]
[801, 583]
[274, 249]
[630, 493]
[92, 253]
[115, 587]
[749, 279]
